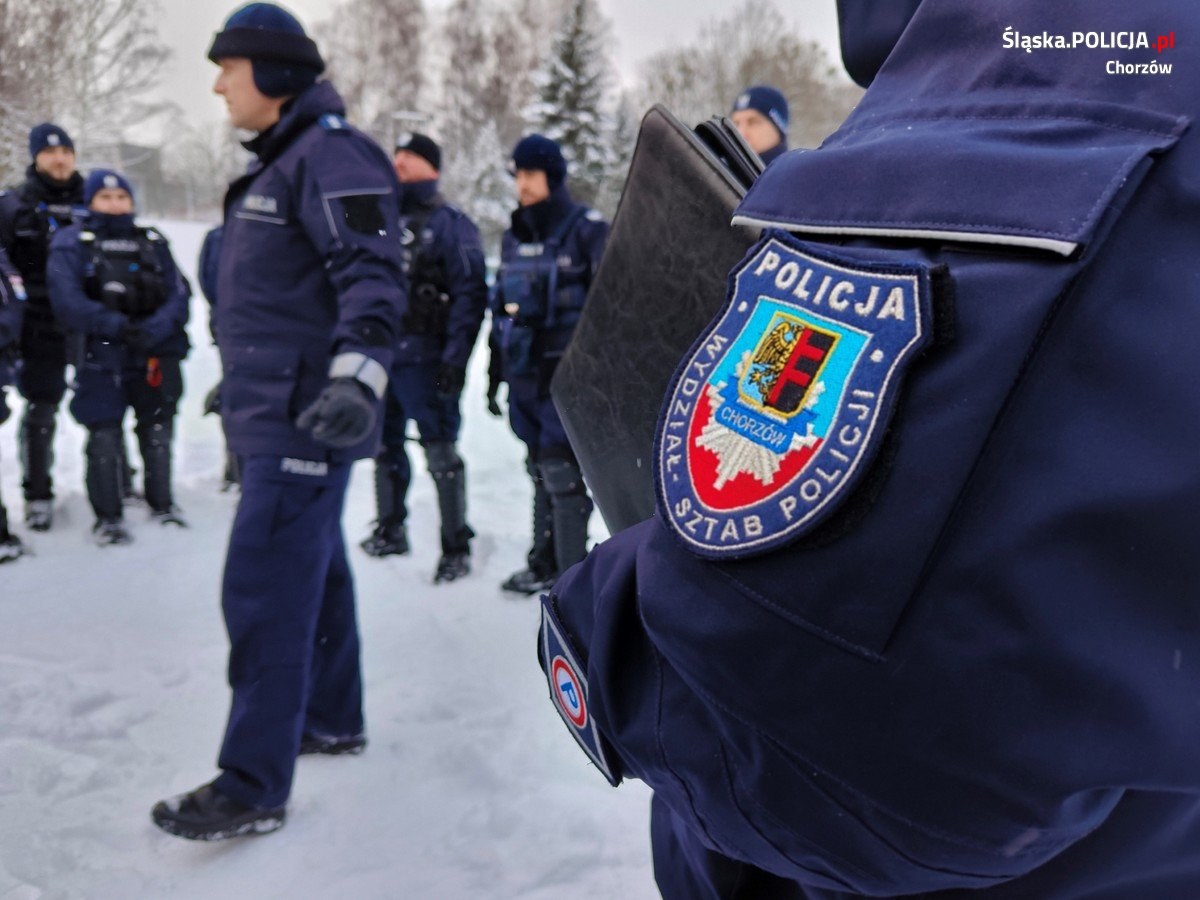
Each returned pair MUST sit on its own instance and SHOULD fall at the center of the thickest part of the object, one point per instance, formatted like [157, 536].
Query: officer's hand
[449, 380]
[212, 400]
[342, 415]
[136, 337]
[493, 404]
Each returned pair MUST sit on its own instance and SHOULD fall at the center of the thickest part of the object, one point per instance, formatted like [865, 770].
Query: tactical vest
[537, 293]
[124, 273]
[33, 226]
[428, 289]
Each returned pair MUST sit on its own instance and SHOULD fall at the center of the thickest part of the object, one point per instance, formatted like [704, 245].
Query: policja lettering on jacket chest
[782, 405]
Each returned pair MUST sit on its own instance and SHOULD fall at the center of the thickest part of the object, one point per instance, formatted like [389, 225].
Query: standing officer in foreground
[547, 261]
[29, 216]
[308, 299]
[447, 296]
[919, 613]
[760, 113]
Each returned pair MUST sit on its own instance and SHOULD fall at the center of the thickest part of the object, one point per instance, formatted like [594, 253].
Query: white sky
[641, 28]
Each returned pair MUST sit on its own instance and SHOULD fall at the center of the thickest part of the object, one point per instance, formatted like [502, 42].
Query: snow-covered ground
[113, 695]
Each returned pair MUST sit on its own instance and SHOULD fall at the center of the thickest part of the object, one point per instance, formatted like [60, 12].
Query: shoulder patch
[569, 691]
[331, 122]
[781, 405]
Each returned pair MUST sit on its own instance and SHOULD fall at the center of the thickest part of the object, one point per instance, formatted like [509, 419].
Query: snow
[112, 696]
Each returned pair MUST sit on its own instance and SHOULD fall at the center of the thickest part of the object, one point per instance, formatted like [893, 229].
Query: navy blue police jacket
[30, 215]
[919, 612]
[442, 241]
[68, 271]
[12, 309]
[309, 275]
[548, 258]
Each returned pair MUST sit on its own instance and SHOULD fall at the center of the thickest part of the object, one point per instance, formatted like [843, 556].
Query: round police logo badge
[781, 404]
[568, 692]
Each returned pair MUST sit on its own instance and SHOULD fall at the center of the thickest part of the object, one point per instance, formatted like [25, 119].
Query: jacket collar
[418, 195]
[39, 187]
[297, 114]
[538, 221]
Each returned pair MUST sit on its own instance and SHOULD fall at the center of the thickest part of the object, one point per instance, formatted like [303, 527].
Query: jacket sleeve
[172, 316]
[12, 305]
[65, 280]
[464, 267]
[348, 206]
[593, 238]
[8, 212]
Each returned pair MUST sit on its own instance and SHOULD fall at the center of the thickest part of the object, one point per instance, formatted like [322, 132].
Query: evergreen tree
[572, 99]
[473, 174]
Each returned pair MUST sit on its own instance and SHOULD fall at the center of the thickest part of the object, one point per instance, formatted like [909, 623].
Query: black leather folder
[662, 279]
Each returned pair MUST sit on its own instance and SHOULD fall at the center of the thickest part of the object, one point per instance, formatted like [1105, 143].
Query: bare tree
[200, 159]
[752, 45]
[113, 60]
[33, 41]
[374, 50]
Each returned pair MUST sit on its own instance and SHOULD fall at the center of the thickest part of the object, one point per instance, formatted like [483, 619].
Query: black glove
[495, 379]
[136, 337]
[449, 380]
[212, 400]
[343, 414]
[492, 405]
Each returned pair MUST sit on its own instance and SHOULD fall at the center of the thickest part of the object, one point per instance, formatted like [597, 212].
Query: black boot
[571, 507]
[333, 745]
[391, 486]
[450, 479]
[233, 472]
[541, 571]
[206, 814]
[36, 437]
[11, 547]
[105, 460]
[154, 442]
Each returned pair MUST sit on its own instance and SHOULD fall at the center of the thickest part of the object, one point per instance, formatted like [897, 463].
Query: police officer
[46, 201]
[443, 259]
[760, 113]
[12, 308]
[116, 285]
[548, 258]
[309, 294]
[918, 611]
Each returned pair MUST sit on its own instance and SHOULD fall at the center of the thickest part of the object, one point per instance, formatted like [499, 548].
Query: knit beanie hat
[767, 100]
[538, 152]
[101, 179]
[48, 135]
[285, 59]
[422, 145]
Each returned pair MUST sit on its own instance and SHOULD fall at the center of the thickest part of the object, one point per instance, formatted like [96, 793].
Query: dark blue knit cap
[536, 151]
[423, 146]
[48, 135]
[285, 59]
[766, 100]
[99, 179]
